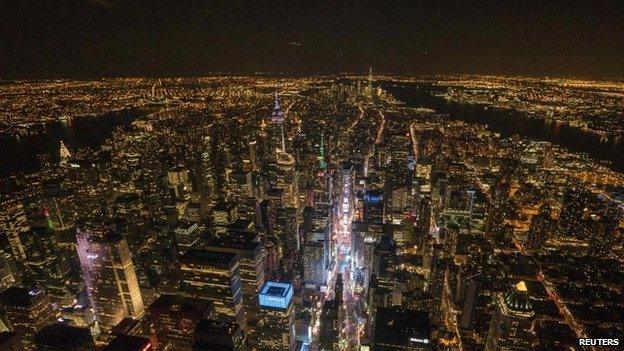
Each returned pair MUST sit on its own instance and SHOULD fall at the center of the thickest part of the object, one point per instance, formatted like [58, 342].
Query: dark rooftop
[400, 326]
[179, 303]
[129, 343]
[18, 296]
[63, 335]
[209, 258]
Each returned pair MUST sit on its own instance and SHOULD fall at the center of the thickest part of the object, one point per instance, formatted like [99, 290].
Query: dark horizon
[100, 38]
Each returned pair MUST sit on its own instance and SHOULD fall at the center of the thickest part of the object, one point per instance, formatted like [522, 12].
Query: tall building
[314, 263]
[8, 271]
[383, 253]
[215, 276]
[26, 312]
[400, 329]
[44, 266]
[423, 222]
[130, 343]
[512, 322]
[64, 153]
[216, 335]
[539, 231]
[10, 341]
[287, 238]
[277, 317]
[603, 231]
[329, 328]
[187, 235]
[109, 275]
[252, 267]
[13, 223]
[175, 319]
[470, 300]
[575, 200]
[63, 337]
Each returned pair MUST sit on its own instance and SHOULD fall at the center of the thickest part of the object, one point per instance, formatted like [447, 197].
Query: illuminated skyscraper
[8, 271]
[109, 275]
[330, 326]
[575, 200]
[252, 267]
[187, 235]
[13, 223]
[602, 232]
[26, 312]
[540, 229]
[215, 276]
[277, 115]
[64, 153]
[43, 265]
[287, 235]
[512, 322]
[276, 324]
[314, 263]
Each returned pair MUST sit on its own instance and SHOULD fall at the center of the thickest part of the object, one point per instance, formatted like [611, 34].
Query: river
[20, 154]
[508, 123]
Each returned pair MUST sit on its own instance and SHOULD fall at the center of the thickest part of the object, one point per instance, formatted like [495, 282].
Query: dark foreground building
[63, 337]
[397, 329]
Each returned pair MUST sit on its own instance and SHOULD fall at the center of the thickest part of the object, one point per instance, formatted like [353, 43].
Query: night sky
[97, 38]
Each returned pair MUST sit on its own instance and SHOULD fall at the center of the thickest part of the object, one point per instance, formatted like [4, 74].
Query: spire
[64, 152]
[321, 156]
[283, 138]
[278, 114]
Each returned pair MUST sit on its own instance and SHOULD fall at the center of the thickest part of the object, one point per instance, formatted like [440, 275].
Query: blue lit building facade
[275, 329]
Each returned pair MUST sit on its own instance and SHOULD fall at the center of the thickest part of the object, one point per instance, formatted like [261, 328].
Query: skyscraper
[63, 337]
[397, 328]
[570, 226]
[276, 325]
[13, 223]
[252, 267]
[215, 276]
[26, 312]
[540, 229]
[512, 321]
[602, 232]
[175, 319]
[109, 275]
[10, 341]
[329, 328]
[314, 265]
[213, 335]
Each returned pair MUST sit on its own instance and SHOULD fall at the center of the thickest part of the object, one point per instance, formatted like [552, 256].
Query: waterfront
[20, 154]
[508, 123]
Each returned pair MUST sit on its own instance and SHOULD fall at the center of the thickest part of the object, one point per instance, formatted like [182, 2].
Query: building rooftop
[16, 296]
[129, 343]
[166, 303]
[402, 327]
[234, 244]
[209, 258]
[215, 335]
[63, 335]
[518, 299]
[275, 295]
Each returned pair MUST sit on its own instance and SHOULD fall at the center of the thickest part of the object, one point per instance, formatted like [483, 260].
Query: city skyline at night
[276, 176]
